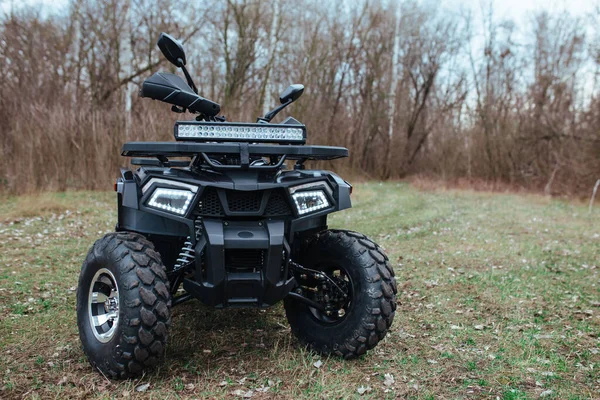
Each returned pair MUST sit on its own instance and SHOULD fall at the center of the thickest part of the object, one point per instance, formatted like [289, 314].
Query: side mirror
[171, 49]
[291, 94]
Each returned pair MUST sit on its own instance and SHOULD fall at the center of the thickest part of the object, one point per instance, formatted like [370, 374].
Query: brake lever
[178, 110]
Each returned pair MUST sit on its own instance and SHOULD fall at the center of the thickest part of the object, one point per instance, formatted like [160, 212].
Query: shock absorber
[187, 255]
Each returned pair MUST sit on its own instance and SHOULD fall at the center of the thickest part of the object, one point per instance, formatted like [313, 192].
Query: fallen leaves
[246, 394]
[431, 284]
[249, 387]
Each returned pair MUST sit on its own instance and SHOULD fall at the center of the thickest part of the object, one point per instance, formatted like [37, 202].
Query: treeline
[408, 87]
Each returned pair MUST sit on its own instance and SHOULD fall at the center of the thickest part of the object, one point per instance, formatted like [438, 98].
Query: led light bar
[239, 132]
[171, 200]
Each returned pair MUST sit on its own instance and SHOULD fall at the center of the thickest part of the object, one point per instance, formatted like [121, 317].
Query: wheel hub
[103, 305]
[331, 288]
[111, 305]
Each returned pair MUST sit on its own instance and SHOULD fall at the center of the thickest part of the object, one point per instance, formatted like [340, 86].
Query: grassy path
[499, 297]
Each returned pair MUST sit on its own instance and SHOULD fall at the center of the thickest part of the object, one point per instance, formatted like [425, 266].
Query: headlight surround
[175, 201]
[310, 197]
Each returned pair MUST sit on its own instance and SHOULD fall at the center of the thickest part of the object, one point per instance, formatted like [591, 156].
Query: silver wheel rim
[103, 305]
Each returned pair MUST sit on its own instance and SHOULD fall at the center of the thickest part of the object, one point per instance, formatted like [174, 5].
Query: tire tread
[147, 318]
[381, 288]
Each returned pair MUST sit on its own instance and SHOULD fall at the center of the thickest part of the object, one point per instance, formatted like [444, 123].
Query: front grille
[238, 201]
[209, 204]
[277, 205]
[244, 259]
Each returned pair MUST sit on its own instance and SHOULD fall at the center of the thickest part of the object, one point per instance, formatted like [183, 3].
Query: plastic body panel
[218, 281]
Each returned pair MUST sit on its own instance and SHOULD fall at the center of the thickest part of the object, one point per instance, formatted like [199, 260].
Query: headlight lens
[310, 201]
[172, 200]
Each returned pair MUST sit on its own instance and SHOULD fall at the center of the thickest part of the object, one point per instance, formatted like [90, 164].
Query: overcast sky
[505, 8]
[520, 8]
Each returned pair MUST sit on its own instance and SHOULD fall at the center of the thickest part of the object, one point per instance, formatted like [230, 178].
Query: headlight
[307, 200]
[239, 132]
[171, 200]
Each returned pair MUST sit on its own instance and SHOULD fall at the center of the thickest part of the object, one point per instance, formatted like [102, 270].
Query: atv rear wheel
[357, 295]
[123, 305]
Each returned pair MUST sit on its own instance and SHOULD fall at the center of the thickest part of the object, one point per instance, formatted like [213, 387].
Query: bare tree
[409, 87]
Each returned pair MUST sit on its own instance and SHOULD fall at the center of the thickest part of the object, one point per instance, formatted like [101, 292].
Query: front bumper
[241, 263]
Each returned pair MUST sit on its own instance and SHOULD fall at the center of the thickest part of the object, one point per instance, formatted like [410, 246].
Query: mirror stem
[187, 76]
[271, 114]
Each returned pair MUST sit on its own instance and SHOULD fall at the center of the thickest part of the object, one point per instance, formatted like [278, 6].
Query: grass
[499, 297]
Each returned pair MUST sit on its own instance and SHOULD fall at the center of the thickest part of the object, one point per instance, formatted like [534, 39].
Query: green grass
[499, 297]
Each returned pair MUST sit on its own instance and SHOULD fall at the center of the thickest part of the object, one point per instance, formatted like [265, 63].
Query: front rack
[245, 151]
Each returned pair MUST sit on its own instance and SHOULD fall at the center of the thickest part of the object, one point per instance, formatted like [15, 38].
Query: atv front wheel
[353, 282]
[123, 305]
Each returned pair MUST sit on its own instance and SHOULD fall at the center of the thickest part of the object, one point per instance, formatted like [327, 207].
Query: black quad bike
[230, 225]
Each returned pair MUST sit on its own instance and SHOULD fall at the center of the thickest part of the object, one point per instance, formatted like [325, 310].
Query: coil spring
[187, 255]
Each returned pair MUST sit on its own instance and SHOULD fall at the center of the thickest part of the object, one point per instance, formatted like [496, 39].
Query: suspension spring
[187, 255]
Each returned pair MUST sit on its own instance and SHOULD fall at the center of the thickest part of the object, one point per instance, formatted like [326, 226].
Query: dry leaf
[362, 390]
[388, 379]
[142, 388]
